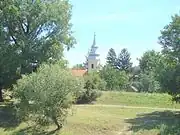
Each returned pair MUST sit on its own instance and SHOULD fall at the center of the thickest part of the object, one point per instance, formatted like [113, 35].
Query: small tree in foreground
[46, 96]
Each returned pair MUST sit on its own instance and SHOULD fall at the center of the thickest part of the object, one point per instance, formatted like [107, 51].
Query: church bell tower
[93, 56]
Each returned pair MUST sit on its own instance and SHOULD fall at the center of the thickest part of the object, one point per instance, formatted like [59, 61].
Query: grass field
[137, 99]
[104, 120]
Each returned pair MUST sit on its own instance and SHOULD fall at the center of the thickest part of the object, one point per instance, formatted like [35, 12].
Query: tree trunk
[59, 126]
[1, 96]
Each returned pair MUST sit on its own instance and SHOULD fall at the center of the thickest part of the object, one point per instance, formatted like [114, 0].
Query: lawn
[137, 99]
[101, 120]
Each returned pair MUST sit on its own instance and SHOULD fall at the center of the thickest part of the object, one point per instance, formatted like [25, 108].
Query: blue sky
[131, 24]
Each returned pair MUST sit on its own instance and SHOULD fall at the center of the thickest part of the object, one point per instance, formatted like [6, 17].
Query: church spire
[94, 41]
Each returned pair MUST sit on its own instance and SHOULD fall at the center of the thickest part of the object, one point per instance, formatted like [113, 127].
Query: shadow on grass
[9, 121]
[169, 119]
[8, 117]
[34, 131]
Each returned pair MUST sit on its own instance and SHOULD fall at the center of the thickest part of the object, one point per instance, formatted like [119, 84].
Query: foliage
[97, 81]
[170, 39]
[114, 78]
[45, 96]
[30, 31]
[150, 60]
[156, 68]
[124, 60]
[92, 84]
[111, 57]
[170, 130]
[147, 83]
[79, 66]
[88, 95]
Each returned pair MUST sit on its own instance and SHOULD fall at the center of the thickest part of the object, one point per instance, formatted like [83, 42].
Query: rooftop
[79, 72]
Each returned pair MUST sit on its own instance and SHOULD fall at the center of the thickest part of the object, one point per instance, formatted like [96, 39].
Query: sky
[131, 24]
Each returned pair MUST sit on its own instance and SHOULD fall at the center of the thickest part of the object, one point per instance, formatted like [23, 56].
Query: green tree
[31, 31]
[153, 65]
[124, 60]
[46, 95]
[111, 57]
[115, 79]
[170, 39]
[151, 60]
[170, 42]
[147, 82]
[92, 86]
[78, 66]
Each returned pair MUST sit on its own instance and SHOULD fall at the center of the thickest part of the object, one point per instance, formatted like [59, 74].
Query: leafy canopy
[45, 96]
[32, 30]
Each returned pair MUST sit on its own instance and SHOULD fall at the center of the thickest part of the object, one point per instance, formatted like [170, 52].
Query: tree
[92, 86]
[124, 60]
[115, 79]
[150, 60]
[170, 38]
[111, 57]
[170, 42]
[46, 95]
[32, 31]
[79, 66]
[147, 82]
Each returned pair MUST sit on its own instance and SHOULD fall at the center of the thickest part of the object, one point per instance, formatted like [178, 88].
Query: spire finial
[94, 41]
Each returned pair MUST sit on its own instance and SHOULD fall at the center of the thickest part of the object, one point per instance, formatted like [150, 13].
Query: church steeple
[94, 41]
[93, 60]
[93, 47]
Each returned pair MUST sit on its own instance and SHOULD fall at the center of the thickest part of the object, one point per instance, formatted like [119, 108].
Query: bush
[88, 96]
[92, 84]
[170, 129]
[46, 96]
[147, 83]
[96, 81]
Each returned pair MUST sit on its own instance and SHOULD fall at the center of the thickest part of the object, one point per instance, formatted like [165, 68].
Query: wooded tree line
[157, 71]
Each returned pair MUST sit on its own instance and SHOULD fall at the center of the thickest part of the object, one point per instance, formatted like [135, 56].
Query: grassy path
[131, 107]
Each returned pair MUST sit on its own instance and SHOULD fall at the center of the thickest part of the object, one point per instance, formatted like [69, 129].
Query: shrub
[96, 81]
[92, 84]
[46, 96]
[170, 129]
[147, 83]
[88, 96]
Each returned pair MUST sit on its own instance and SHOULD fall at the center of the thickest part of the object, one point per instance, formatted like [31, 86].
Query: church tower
[93, 57]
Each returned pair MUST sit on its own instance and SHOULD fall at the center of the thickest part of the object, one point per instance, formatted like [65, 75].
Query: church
[93, 61]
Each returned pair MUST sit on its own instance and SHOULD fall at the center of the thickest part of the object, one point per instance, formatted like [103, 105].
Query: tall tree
[115, 79]
[111, 57]
[31, 31]
[170, 42]
[124, 60]
[150, 60]
[170, 38]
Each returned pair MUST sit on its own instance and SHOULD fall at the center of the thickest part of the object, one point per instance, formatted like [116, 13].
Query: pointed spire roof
[94, 41]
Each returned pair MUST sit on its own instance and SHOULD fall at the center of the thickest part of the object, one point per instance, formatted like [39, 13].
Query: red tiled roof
[79, 72]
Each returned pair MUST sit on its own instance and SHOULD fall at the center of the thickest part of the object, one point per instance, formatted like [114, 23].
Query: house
[79, 72]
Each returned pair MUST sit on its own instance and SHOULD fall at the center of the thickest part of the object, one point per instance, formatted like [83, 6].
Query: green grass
[89, 120]
[137, 99]
[99, 120]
